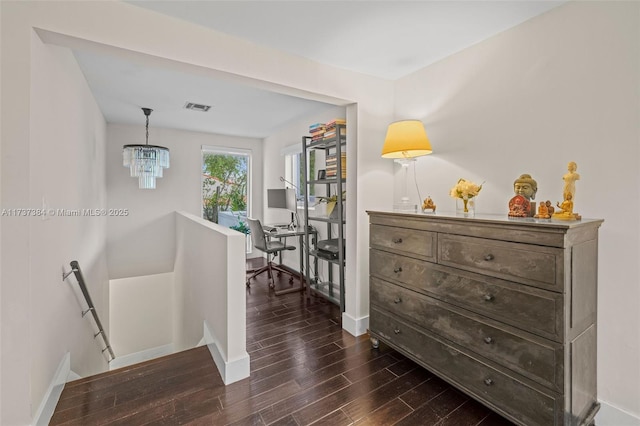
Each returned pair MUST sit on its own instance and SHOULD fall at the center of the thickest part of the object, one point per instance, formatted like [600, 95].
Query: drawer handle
[488, 382]
[397, 240]
[488, 297]
[488, 340]
[488, 257]
[397, 300]
[397, 331]
[397, 269]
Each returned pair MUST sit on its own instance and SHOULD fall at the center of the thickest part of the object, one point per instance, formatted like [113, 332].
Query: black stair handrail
[75, 268]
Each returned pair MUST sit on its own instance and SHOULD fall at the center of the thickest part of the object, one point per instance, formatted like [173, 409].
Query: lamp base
[405, 206]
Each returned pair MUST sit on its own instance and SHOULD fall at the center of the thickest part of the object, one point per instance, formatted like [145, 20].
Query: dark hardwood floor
[304, 370]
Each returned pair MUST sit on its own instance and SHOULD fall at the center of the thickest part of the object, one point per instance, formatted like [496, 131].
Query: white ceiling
[387, 39]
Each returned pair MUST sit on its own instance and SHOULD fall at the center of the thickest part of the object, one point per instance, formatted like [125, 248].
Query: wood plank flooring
[304, 370]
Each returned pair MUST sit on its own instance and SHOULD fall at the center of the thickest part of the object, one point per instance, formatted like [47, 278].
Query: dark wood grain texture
[304, 370]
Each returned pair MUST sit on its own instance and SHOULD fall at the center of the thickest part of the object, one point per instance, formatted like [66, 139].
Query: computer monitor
[283, 199]
[277, 198]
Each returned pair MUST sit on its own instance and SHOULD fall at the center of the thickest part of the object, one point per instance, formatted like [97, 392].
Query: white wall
[141, 313]
[143, 243]
[561, 87]
[53, 143]
[203, 298]
[210, 288]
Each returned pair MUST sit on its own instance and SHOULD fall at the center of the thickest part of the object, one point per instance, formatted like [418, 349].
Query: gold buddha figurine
[566, 206]
[550, 208]
[566, 210]
[543, 211]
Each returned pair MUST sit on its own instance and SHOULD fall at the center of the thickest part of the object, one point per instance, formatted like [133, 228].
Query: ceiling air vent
[197, 107]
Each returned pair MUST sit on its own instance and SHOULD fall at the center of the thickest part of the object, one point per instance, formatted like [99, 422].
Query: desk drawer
[527, 308]
[521, 401]
[536, 358]
[412, 242]
[524, 263]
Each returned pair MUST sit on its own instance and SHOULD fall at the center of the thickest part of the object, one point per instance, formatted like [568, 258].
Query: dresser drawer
[527, 308]
[524, 263]
[536, 358]
[412, 242]
[519, 400]
[396, 267]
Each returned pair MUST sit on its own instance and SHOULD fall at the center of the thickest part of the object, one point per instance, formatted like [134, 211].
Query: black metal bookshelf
[331, 288]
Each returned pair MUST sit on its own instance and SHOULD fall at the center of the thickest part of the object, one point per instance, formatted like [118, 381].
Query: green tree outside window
[224, 186]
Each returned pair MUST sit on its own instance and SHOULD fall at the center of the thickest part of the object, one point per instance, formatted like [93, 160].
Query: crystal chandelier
[146, 162]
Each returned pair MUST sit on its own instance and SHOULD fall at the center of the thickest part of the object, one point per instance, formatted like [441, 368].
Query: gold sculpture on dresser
[568, 194]
[428, 204]
[543, 210]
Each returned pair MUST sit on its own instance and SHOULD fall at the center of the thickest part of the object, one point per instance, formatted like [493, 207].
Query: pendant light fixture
[145, 162]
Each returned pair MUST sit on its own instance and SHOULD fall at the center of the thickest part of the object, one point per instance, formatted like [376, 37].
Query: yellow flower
[465, 189]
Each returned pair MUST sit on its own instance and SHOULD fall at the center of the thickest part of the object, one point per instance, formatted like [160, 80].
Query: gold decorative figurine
[570, 180]
[568, 193]
[428, 204]
[543, 210]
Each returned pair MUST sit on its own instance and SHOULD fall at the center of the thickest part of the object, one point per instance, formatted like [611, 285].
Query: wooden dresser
[504, 309]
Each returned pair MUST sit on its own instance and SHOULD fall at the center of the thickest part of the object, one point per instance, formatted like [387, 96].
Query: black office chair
[271, 248]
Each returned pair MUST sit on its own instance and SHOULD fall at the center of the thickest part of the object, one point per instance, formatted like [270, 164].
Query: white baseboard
[146, 355]
[52, 395]
[230, 371]
[353, 326]
[610, 415]
[73, 376]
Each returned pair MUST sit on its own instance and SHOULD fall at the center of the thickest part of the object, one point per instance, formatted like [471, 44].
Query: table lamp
[406, 140]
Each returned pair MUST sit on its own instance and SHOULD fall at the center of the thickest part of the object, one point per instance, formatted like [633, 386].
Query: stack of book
[317, 131]
[330, 128]
[332, 165]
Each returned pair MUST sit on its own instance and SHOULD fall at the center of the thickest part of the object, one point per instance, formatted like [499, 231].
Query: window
[293, 171]
[225, 186]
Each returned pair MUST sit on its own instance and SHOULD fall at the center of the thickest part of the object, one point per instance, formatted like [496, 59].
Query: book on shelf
[327, 131]
[333, 157]
[317, 131]
[335, 122]
[332, 133]
[331, 164]
[334, 174]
